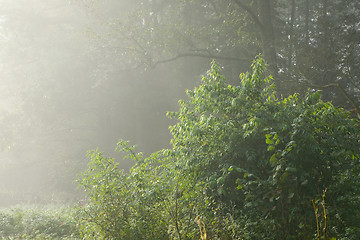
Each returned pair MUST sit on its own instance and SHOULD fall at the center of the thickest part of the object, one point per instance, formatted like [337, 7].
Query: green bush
[37, 223]
[270, 157]
[245, 164]
[123, 206]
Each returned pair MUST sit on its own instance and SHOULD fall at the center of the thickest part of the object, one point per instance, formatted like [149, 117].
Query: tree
[306, 44]
[244, 164]
[278, 153]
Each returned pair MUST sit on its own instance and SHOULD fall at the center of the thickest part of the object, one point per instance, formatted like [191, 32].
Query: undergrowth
[28, 222]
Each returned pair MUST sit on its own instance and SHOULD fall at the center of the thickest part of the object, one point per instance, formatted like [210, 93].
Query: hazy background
[77, 75]
[63, 91]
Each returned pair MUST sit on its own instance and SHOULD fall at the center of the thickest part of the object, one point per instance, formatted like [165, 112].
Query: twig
[317, 219]
[251, 13]
[337, 85]
[176, 210]
[324, 212]
[210, 56]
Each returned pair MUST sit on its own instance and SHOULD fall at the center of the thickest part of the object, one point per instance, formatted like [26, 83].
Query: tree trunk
[267, 35]
[307, 10]
[291, 34]
[326, 50]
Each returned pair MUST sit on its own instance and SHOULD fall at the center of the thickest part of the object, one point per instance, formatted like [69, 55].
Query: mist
[245, 116]
[79, 75]
[64, 91]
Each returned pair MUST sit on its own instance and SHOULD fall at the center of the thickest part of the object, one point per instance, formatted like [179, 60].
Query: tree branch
[349, 78]
[336, 85]
[251, 13]
[201, 55]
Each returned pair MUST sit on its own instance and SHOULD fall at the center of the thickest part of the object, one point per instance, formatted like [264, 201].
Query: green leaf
[274, 159]
[271, 148]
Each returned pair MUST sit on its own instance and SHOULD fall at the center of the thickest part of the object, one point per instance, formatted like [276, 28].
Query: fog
[79, 75]
[65, 89]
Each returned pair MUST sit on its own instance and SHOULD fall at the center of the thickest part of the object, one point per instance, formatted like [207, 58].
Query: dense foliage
[245, 164]
[38, 223]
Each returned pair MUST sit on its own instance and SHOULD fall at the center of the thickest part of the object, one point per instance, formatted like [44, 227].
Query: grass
[35, 223]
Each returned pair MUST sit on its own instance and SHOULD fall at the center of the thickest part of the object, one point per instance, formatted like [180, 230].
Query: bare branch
[336, 85]
[349, 78]
[212, 3]
[201, 55]
[251, 13]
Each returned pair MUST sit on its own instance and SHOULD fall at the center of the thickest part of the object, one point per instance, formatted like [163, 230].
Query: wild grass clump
[27, 222]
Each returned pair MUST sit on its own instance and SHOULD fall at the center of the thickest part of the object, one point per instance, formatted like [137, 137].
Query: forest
[182, 119]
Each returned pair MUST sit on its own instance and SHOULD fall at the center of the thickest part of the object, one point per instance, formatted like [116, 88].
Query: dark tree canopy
[307, 44]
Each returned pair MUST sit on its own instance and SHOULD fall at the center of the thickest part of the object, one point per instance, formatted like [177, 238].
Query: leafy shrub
[245, 164]
[37, 223]
[123, 206]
